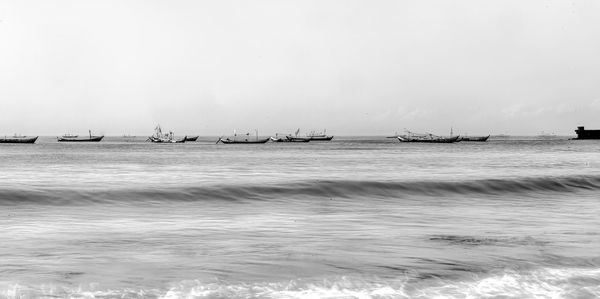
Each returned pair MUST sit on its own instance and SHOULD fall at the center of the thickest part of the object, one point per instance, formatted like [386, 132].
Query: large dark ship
[18, 139]
[582, 133]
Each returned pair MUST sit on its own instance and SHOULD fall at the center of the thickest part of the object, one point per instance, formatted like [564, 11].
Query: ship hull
[475, 138]
[320, 138]
[19, 140]
[297, 139]
[430, 140]
[194, 138]
[289, 140]
[89, 139]
[229, 141]
[162, 140]
[583, 134]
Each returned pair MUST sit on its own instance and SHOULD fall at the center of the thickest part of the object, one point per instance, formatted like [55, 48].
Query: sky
[351, 67]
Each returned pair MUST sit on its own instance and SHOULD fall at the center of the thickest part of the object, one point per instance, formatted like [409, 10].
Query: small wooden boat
[193, 138]
[319, 136]
[475, 138]
[436, 139]
[242, 141]
[289, 138]
[297, 139]
[427, 138]
[18, 139]
[75, 138]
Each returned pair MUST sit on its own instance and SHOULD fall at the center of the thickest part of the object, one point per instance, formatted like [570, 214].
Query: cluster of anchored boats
[169, 137]
[313, 136]
[430, 138]
[64, 138]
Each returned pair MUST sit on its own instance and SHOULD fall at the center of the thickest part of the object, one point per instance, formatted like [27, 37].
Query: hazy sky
[353, 67]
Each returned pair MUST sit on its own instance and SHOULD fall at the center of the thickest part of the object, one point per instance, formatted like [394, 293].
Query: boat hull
[19, 140]
[230, 141]
[475, 138]
[430, 140]
[88, 139]
[194, 138]
[297, 139]
[320, 138]
[159, 140]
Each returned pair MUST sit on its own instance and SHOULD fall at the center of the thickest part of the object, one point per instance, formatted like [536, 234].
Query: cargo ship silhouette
[582, 133]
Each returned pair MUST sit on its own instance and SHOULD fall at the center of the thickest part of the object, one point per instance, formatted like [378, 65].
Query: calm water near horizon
[357, 217]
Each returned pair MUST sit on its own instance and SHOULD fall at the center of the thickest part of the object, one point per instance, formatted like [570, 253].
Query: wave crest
[537, 283]
[322, 188]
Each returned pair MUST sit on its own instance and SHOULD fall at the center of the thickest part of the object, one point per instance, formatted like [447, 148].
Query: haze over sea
[357, 217]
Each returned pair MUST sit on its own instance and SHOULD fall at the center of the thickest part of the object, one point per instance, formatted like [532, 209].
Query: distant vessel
[236, 139]
[289, 138]
[582, 133]
[18, 139]
[319, 136]
[75, 138]
[159, 137]
[475, 138]
[193, 138]
[427, 138]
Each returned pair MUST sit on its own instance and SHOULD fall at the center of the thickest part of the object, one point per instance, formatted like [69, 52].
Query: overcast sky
[353, 67]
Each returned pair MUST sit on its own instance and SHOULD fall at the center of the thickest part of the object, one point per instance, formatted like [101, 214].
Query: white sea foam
[541, 283]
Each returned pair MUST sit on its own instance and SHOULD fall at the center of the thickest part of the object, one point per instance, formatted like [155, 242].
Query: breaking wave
[315, 188]
[539, 283]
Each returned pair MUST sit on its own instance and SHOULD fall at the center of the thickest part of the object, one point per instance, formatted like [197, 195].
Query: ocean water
[357, 217]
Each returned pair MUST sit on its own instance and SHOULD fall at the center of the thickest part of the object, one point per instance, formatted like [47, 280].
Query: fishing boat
[293, 138]
[193, 138]
[319, 136]
[297, 139]
[160, 137]
[475, 138]
[18, 139]
[427, 138]
[76, 138]
[289, 138]
[245, 140]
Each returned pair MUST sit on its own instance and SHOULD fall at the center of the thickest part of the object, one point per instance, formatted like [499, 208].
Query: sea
[356, 217]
